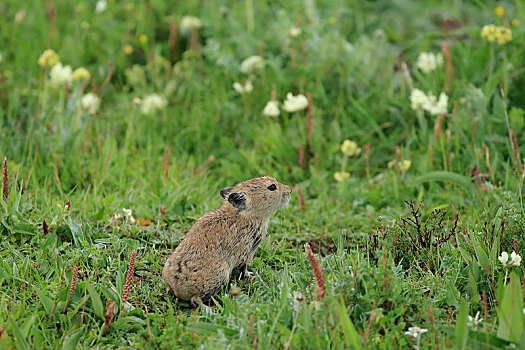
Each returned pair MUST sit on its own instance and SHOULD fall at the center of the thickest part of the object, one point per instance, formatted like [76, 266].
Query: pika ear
[226, 191]
[238, 200]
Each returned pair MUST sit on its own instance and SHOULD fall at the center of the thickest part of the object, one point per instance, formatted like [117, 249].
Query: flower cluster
[515, 259]
[243, 89]
[252, 64]
[48, 58]
[190, 24]
[90, 102]
[349, 147]
[402, 165]
[152, 103]
[420, 100]
[291, 104]
[428, 61]
[496, 33]
[341, 175]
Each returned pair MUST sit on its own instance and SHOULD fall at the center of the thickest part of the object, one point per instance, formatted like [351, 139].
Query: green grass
[381, 277]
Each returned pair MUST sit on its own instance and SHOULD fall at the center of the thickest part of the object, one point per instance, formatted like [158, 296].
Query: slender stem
[489, 79]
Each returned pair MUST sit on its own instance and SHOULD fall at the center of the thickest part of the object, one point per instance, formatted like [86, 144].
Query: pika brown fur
[224, 239]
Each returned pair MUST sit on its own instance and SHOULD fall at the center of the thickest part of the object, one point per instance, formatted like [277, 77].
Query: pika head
[259, 197]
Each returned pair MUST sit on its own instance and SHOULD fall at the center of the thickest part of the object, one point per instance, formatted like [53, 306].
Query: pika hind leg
[197, 301]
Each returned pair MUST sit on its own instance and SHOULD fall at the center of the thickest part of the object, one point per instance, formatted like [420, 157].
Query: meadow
[400, 125]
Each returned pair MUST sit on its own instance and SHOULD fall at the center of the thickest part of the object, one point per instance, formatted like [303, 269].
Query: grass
[386, 265]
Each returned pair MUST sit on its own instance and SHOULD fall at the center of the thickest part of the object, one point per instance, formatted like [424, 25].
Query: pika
[224, 239]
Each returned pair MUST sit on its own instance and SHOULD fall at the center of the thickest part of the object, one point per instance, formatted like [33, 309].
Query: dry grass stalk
[437, 127]
[173, 37]
[301, 199]
[487, 160]
[166, 161]
[516, 152]
[129, 278]
[5, 180]
[110, 313]
[367, 160]
[320, 288]
[73, 284]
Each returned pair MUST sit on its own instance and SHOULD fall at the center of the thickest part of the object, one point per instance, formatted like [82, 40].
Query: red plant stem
[129, 278]
[173, 37]
[367, 160]
[301, 199]
[320, 289]
[5, 180]
[73, 285]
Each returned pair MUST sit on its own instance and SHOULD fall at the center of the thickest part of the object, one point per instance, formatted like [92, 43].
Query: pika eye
[272, 187]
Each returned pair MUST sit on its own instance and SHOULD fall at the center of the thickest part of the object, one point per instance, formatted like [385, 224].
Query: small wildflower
[515, 259]
[152, 103]
[90, 102]
[404, 165]
[428, 61]
[128, 49]
[499, 11]
[494, 33]
[19, 17]
[101, 6]
[252, 64]
[504, 258]
[136, 101]
[295, 31]
[332, 20]
[61, 74]
[295, 103]
[143, 39]
[349, 147]
[271, 109]
[418, 99]
[128, 215]
[48, 58]
[416, 332]
[189, 24]
[341, 175]
[234, 291]
[474, 321]
[81, 74]
[515, 22]
[243, 89]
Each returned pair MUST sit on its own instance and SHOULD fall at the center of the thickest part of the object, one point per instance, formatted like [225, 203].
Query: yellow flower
[143, 39]
[500, 12]
[48, 58]
[515, 22]
[404, 165]
[349, 147]
[341, 175]
[81, 74]
[332, 20]
[128, 49]
[493, 33]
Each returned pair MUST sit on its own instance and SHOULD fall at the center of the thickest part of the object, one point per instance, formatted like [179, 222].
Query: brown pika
[224, 239]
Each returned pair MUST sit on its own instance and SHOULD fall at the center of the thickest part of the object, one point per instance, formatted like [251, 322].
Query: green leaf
[95, 299]
[20, 340]
[71, 340]
[447, 176]
[48, 303]
[205, 328]
[461, 326]
[479, 340]
[452, 294]
[510, 311]
[352, 339]
[482, 256]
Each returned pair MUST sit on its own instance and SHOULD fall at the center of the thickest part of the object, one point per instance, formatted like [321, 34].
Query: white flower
[246, 89]
[189, 24]
[128, 214]
[271, 109]
[504, 258]
[436, 107]
[252, 64]
[60, 74]
[349, 147]
[101, 6]
[418, 99]
[152, 103]
[428, 61]
[515, 259]
[415, 331]
[474, 321]
[90, 102]
[294, 32]
[295, 103]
